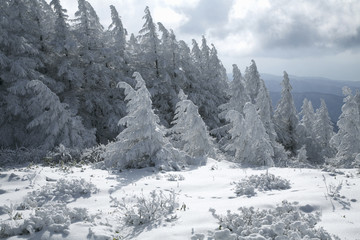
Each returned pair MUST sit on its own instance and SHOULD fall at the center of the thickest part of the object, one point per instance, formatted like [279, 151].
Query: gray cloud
[299, 27]
[299, 32]
[352, 41]
[207, 14]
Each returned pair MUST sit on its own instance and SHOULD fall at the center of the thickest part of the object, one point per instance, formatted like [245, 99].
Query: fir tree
[252, 81]
[346, 141]
[141, 143]
[51, 121]
[250, 141]
[189, 132]
[306, 133]
[324, 130]
[286, 119]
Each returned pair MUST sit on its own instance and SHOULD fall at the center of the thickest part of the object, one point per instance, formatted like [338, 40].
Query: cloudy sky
[304, 37]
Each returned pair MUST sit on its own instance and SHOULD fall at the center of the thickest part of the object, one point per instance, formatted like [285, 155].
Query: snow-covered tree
[346, 141]
[189, 132]
[142, 142]
[149, 43]
[238, 98]
[196, 55]
[252, 81]
[52, 123]
[117, 32]
[264, 108]
[307, 116]
[169, 51]
[265, 111]
[250, 142]
[307, 135]
[22, 46]
[205, 56]
[324, 131]
[286, 119]
[100, 104]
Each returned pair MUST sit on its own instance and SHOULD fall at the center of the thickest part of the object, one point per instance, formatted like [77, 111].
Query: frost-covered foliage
[346, 141]
[286, 119]
[48, 210]
[94, 154]
[197, 142]
[262, 182]
[142, 209]
[249, 139]
[286, 221]
[175, 177]
[324, 130]
[53, 217]
[142, 142]
[307, 133]
[62, 191]
[22, 155]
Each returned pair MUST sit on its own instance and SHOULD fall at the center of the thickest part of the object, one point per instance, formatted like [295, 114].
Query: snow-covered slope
[51, 201]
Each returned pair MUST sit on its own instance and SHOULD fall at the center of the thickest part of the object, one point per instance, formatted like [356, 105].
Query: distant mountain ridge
[312, 88]
[309, 84]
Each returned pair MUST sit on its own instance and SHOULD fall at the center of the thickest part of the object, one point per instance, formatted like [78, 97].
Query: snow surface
[198, 189]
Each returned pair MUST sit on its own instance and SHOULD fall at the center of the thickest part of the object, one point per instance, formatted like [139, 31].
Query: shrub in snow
[94, 154]
[62, 154]
[21, 155]
[142, 142]
[143, 209]
[63, 191]
[286, 221]
[53, 217]
[263, 182]
[175, 177]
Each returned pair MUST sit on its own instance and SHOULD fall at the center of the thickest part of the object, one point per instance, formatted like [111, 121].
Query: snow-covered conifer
[286, 119]
[252, 81]
[118, 32]
[307, 135]
[142, 142]
[52, 123]
[238, 95]
[189, 132]
[324, 130]
[149, 43]
[346, 141]
[250, 142]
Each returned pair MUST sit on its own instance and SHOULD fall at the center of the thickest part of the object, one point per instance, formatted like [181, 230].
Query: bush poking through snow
[63, 191]
[286, 221]
[263, 182]
[94, 154]
[9, 157]
[142, 209]
[175, 177]
[54, 217]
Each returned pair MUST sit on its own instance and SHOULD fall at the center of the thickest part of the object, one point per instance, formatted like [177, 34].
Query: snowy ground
[336, 196]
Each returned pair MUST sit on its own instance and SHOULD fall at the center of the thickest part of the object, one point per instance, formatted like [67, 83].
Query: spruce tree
[286, 119]
[346, 141]
[307, 135]
[250, 142]
[142, 142]
[189, 132]
[324, 130]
